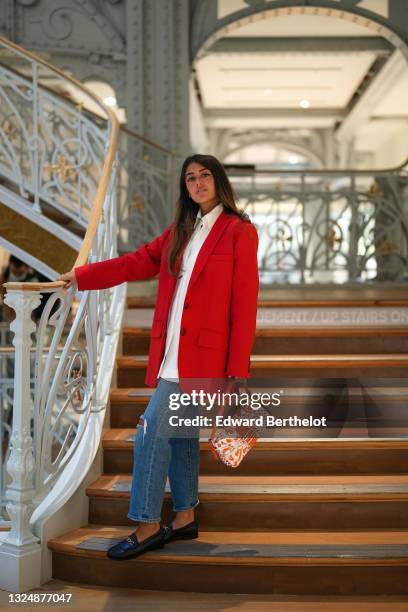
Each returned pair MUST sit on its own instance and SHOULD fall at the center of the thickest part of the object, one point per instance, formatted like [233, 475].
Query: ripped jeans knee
[143, 423]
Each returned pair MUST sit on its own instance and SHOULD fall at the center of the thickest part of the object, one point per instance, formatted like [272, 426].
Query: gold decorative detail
[375, 189]
[10, 130]
[63, 169]
[385, 246]
[77, 374]
[138, 204]
[146, 157]
[331, 238]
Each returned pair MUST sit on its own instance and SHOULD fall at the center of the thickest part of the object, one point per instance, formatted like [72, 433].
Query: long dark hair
[187, 209]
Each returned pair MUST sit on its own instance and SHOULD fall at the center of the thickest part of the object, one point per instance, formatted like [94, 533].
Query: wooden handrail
[126, 130]
[97, 206]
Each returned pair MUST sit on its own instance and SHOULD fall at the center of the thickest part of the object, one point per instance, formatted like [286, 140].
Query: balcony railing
[319, 227]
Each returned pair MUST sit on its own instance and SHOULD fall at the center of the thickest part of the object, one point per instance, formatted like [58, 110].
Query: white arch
[283, 144]
[354, 14]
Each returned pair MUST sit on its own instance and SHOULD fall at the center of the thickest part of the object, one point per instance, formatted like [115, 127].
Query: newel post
[20, 553]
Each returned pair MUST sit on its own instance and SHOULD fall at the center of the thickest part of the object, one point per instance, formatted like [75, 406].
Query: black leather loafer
[188, 532]
[130, 547]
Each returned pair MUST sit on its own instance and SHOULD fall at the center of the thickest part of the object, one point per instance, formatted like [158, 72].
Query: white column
[20, 553]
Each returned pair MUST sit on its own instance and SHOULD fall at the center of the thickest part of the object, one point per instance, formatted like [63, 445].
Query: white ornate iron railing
[146, 189]
[6, 411]
[56, 421]
[328, 227]
[7, 355]
[51, 152]
[56, 159]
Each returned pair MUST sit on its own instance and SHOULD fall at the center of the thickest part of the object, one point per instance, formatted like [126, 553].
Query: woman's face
[201, 186]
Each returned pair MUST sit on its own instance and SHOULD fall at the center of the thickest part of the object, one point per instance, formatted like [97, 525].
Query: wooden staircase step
[131, 395]
[333, 298]
[245, 487]
[311, 340]
[141, 302]
[122, 439]
[277, 361]
[280, 457]
[263, 503]
[132, 369]
[308, 332]
[295, 391]
[267, 361]
[128, 404]
[285, 562]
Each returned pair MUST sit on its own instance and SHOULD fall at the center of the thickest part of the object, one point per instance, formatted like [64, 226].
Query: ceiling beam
[307, 44]
[393, 70]
[266, 113]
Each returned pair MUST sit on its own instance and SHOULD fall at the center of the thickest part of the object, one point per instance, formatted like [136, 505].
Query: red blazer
[219, 316]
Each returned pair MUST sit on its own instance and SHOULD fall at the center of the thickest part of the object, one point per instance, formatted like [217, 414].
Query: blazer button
[186, 305]
[183, 331]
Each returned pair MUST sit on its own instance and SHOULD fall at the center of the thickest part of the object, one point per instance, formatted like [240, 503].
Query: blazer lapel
[209, 244]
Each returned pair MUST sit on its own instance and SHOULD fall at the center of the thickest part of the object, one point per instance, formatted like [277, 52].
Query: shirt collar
[210, 218]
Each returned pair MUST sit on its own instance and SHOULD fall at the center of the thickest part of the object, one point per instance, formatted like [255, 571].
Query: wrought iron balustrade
[58, 158]
[50, 152]
[145, 189]
[6, 411]
[62, 365]
[328, 227]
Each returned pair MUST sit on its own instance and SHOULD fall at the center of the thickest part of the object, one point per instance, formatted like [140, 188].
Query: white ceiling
[395, 102]
[280, 80]
[264, 89]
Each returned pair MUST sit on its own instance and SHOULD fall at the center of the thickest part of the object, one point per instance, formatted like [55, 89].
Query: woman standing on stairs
[203, 328]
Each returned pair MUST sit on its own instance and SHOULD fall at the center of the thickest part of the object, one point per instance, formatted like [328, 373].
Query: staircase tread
[274, 488]
[137, 395]
[297, 546]
[287, 360]
[105, 480]
[296, 395]
[144, 331]
[120, 438]
[395, 297]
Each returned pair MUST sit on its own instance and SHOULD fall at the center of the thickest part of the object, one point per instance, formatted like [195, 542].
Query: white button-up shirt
[203, 225]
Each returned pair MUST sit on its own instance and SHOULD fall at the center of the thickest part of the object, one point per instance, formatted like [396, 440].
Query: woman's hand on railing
[69, 278]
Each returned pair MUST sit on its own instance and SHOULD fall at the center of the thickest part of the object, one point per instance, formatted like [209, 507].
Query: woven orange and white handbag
[228, 448]
[228, 444]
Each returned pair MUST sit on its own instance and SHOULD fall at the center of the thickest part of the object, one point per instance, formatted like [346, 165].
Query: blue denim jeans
[158, 456]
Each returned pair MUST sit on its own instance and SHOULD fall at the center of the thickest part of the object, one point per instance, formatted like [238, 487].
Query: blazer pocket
[213, 339]
[157, 329]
